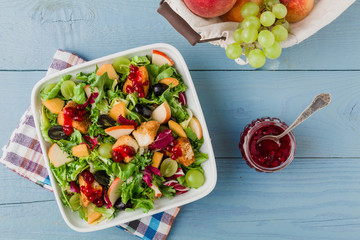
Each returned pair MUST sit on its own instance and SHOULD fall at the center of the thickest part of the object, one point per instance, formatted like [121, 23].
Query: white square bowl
[72, 219]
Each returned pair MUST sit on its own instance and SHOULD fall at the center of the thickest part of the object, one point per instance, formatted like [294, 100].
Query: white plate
[160, 205]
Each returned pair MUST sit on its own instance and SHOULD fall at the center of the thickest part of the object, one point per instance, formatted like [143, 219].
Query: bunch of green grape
[260, 37]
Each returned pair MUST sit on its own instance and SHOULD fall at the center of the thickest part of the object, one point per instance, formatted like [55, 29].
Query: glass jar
[266, 156]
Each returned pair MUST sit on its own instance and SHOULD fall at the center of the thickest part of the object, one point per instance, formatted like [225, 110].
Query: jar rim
[256, 124]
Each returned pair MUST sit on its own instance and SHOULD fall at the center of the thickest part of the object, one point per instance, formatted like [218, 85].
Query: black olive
[102, 178]
[159, 89]
[143, 110]
[105, 121]
[122, 206]
[57, 133]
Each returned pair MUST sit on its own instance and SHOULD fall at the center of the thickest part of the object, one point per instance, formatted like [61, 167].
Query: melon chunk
[80, 150]
[169, 81]
[109, 69]
[55, 105]
[144, 78]
[57, 156]
[117, 110]
[176, 128]
[92, 214]
[156, 159]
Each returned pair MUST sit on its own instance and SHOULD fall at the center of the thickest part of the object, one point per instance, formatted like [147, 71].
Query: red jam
[175, 150]
[268, 153]
[266, 156]
[93, 195]
[137, 82]
[122, 152]
[72, 114]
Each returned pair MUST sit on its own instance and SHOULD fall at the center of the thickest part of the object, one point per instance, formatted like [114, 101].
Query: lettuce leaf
[123, 170]
[69, 172]
[54, 92]
[106, 213]
[168, 192]
[45, 125]
[140, 60]
[101, 82]
[195, 142]
[79, 94]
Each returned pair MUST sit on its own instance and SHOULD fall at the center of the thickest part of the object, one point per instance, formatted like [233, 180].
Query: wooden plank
[94, 29]
[230, 100]
[310, 199]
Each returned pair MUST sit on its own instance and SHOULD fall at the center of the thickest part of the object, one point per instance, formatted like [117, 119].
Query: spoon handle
[320, 101]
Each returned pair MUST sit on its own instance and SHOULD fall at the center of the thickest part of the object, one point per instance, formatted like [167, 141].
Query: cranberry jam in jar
[266, 156]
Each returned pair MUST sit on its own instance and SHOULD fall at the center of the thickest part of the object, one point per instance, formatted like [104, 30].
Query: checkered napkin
[23, 155]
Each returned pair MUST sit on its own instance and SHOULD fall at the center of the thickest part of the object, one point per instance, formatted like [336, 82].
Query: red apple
[209, 8]
[297, 10]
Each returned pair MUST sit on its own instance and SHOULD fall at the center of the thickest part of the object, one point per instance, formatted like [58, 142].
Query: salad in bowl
[122, 136]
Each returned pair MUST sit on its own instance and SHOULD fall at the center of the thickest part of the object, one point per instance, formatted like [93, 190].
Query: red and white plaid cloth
[23, 155]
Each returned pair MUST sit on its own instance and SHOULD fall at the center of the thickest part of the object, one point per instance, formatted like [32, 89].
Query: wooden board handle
[181, 25]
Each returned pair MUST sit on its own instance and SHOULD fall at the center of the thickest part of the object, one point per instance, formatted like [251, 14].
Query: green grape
[274, 51]
[74, 202]
[249, 35]
[234, 51]
[266, 38]
[270, 3]
[256, 58]
[67, 89]
[168, 167]
[279, 10]
[237, 35]
[194, 178]
[48, 88]
[283, 23]
[105, 150]
[121, 65]
[251, 21]
[280, 33]
[250, 9]
[267, 18]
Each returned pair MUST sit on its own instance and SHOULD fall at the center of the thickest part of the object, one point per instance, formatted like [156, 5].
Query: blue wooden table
[316, 197]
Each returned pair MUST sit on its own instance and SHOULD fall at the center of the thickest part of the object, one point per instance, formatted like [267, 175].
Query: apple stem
[287, 3]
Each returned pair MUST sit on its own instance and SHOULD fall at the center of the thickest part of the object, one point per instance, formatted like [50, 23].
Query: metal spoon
[319, 102]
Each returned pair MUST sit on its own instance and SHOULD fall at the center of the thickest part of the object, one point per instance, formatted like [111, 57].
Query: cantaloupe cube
[92, 215]
[176, 128]
[110, 71]
[144, 78]
[156, 159]
[80, 150]
[117, 110]
[169, 81]
[55, 105]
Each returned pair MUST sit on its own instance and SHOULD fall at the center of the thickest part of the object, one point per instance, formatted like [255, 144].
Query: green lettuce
[45, 125]
[54, 92]
[101, 82]
[140, 60]
[195, 142]
[79, 94]
[69, 172]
